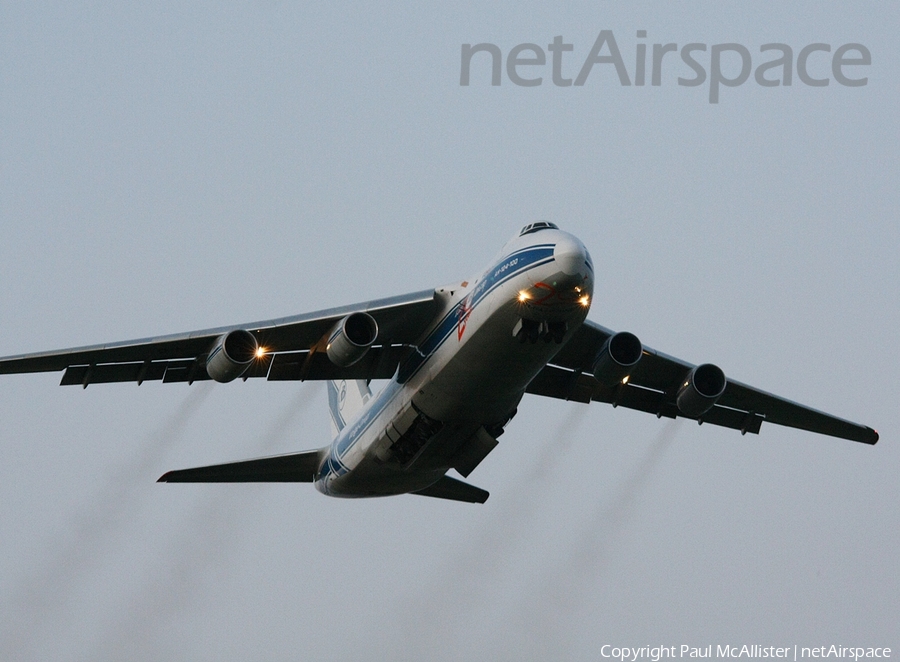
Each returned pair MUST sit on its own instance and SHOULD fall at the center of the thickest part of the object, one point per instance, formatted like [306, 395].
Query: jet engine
[617, 358]
[702, 387]
[351, 338]
[231, 355]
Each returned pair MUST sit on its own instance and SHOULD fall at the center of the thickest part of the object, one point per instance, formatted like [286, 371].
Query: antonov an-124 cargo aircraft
[458, 361]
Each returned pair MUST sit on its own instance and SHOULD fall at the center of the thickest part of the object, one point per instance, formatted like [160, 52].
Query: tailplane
[290, 468]
[455, 490]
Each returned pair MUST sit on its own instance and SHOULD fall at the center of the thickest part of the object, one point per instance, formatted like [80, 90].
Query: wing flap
[377, 363]
[105, 374]
[290, 468]
[185, 370]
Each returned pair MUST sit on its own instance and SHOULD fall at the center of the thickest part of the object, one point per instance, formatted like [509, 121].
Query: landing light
[625, 379]
[524, 296]
[584, 300]
[260, 352]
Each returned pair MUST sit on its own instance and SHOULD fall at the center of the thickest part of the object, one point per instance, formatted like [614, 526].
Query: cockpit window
[537, 227]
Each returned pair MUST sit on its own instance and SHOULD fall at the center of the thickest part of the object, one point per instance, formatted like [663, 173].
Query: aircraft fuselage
[449, 400]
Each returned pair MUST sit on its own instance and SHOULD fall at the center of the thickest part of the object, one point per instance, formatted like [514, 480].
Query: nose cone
[571, 256]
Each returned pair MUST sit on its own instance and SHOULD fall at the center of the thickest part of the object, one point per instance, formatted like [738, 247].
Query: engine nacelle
[702, 388]
[351, 338]
[620, 353]
[231, 355]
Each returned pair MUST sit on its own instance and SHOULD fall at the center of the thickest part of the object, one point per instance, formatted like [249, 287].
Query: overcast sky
[181, 166]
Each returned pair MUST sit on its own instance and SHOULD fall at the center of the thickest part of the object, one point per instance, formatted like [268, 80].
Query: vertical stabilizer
[346, 398]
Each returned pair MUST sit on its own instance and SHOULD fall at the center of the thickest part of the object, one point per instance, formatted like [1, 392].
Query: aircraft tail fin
[289, 468]
[346, 398]
[455, 490]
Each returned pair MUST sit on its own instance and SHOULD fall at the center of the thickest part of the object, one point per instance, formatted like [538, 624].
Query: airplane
[458, 360]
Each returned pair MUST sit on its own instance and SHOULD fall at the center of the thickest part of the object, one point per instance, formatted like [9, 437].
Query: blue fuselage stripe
[510, 266]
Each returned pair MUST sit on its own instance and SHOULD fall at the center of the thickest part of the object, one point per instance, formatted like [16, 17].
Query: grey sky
[176, 167]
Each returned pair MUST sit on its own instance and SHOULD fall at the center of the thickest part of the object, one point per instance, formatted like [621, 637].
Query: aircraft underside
[457, 361]
[461, 399]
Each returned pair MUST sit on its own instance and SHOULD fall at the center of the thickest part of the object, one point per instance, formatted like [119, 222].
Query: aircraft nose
[570, 255]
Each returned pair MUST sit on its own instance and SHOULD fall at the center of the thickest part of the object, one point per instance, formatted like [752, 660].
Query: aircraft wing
[290, 344]
[653, 385]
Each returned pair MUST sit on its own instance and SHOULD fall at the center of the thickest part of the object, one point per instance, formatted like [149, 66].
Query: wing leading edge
[291, 345]
[653, 384]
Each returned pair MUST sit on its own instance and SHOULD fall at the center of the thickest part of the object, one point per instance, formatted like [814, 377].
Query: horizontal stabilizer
[290, 468]
[455, 490]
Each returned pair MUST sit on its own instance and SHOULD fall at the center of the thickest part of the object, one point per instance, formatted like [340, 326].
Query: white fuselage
[468, 372]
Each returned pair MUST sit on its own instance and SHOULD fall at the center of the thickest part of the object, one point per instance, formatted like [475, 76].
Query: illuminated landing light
[625, 379]
[585, 300]
[260, 352]
[524, 296]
